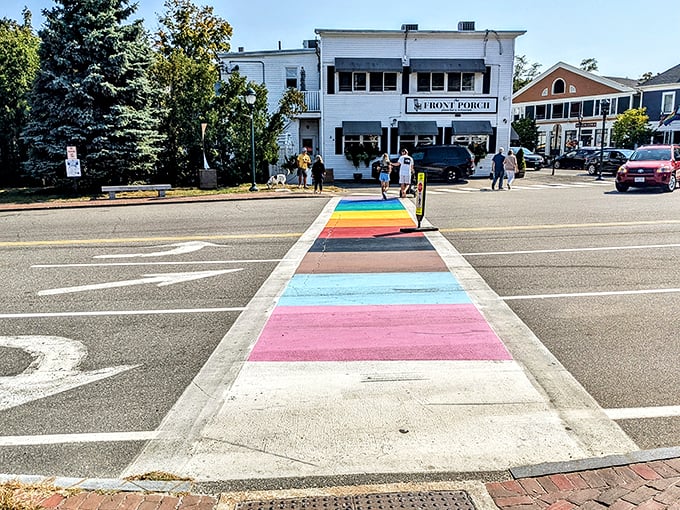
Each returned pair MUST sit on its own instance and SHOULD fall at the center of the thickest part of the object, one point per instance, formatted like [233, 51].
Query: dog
[276, 180]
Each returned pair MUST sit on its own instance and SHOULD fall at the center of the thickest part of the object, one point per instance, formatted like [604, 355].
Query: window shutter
[393, 141]
[338, 140]
[405, 75]
[383, 140]
[447, 135]
[486, 83]
[330, 80]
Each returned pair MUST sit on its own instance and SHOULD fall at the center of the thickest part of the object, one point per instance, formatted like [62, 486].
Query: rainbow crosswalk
[367, 292]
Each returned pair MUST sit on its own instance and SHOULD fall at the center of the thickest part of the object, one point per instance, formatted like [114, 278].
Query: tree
[93, 92]
[187, 44]
[523, 72]
[527, 131]
[631, 128]
[645, 76]
[18, 67]
[589, 64]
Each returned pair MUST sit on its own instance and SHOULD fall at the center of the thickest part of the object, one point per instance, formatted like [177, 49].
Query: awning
[417, 127]
[446, 65]
[361, 127]
[368, 64]
[471, 127]
[514, 137]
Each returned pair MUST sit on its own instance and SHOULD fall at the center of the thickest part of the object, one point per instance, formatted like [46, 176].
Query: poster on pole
[73, 168]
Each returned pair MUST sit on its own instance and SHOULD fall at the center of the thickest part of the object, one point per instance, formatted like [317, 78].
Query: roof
[483, 33]
[628, 82]
[672, 75]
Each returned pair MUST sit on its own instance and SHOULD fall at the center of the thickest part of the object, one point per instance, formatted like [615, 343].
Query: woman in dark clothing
[318, 173]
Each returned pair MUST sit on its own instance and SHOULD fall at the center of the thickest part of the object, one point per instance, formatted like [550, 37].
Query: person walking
[498, 170]
[303, 162]
[405, 164]
[510, 167]
[384, 177]
[318, 173]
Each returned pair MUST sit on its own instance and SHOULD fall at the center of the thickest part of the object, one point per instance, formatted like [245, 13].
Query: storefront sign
[451, 105]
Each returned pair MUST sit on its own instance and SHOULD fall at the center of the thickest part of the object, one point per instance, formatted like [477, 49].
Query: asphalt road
[551, 248]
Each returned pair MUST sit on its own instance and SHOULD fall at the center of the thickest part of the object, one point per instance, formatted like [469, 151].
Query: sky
[627, 39]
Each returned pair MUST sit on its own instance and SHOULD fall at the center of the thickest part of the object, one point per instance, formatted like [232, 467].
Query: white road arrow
[54, 369]
[160, 279]
[181, 248]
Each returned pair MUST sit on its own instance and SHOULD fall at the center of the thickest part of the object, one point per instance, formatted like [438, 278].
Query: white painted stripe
[102, 437]
[564, 250]
[117, 312]
[456, 190]
[636, 413]
[592, 294]
[190, 263]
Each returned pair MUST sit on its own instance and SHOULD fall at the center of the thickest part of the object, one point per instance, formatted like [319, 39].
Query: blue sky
[627, 39]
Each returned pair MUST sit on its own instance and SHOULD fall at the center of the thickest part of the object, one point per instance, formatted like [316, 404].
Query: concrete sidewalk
[324, 274]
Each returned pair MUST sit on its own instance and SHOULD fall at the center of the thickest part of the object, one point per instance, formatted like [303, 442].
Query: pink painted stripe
[378, 333]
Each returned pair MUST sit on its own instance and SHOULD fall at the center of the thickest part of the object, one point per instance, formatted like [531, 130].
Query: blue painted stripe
[373, 289]
[384, 205]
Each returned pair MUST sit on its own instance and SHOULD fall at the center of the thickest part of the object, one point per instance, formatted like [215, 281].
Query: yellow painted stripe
[369, 214]
[77, 242]
[382, 222]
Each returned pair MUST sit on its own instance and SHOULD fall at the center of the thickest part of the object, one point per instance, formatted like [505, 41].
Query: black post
[604, 106]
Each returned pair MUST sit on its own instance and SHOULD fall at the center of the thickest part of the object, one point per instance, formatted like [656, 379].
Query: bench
[112, 190]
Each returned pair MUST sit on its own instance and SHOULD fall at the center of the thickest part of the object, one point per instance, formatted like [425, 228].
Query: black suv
[612, 159]
[446, 162]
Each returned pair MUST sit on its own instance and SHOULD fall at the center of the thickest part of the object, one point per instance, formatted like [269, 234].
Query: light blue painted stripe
[373, 289]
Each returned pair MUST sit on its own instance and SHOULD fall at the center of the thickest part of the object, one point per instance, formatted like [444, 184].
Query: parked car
[574, 159]
[650, 166]
[446, 162]
[612, 159]
[532, 159]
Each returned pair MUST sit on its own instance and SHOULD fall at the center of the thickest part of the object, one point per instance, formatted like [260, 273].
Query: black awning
[417, 127]
[361, 127]
[471, 127]
[448, 65]
[368, 64]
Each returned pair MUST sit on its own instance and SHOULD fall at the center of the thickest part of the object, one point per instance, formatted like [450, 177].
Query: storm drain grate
[433, 500]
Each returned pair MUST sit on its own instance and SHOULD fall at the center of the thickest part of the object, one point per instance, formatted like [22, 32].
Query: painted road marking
[78, 242]
[187, 263]
[591, 294]
[566, 250]
[104, 313]
[180, 249]
[95, 437]
[54, 369]
[161, 280]
[636, 413]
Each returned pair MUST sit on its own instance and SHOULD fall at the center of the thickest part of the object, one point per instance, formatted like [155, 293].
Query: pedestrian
[385, 171]
[318, 173]
[303, 162]
[510, 167]
[498, 170]
[405, 164]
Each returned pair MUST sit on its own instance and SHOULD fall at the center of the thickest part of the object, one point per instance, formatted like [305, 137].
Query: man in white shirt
[405, 164]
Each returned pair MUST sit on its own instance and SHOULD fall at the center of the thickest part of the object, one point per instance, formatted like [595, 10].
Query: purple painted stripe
[378, 333]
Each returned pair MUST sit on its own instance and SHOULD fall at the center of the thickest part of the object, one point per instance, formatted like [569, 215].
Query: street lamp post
[604, 107]
[250, 100]
[579, 125]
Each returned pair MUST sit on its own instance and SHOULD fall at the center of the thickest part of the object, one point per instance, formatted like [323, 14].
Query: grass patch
[18, 496]
[157, 476]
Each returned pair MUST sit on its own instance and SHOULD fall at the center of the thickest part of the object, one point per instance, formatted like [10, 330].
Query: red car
[651, 166]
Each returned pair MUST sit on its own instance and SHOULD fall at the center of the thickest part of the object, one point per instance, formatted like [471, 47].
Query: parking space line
[188, 263]
[634, 413]
[96, 437]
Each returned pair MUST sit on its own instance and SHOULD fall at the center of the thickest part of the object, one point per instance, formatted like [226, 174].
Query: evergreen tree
[18, 67]
[93, 92]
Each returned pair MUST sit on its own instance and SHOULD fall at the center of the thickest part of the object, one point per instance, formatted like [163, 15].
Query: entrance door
[309, 142]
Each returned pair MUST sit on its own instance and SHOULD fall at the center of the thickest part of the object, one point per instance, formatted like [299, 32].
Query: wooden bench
[112, 190]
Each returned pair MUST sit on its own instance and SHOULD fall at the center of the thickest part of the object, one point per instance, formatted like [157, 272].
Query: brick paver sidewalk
[650, 486]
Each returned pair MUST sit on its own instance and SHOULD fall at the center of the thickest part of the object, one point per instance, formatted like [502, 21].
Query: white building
[388, 89]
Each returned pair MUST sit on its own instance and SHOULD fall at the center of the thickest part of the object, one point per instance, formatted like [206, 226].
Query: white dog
[276, 180]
